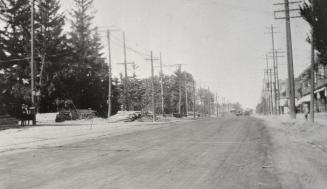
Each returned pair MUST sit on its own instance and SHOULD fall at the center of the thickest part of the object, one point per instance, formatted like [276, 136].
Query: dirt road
[224, 153]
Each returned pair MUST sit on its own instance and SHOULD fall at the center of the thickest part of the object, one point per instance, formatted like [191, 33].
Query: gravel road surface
[212, 153]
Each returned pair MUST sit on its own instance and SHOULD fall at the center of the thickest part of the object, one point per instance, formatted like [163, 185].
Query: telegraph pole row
[271, 84]
[276, 56]
[180, 75]
[272, 32]
[267, 90]
[270, 89]
[264, 95]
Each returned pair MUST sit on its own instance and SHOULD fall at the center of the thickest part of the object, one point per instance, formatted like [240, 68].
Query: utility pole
[201, 100]
[269, 75]
[217, 105]
[32, 61]
[209, 102]
[264, 91]
[153, 100]
[186, 95]
[271, 90]
[126, 100]
[180, 88]
[152, 86]
[179, 83]
[223, 106]
[264, 94]
[194, 98]
[277, 56]
[109, 75]
[290, 67]
[161, 86]
[272, 32]
[134, 70]
[267, 91]
[313, 41]
[109, 72]
[126, 79]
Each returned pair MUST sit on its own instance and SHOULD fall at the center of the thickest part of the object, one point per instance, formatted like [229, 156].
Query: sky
[222, 43]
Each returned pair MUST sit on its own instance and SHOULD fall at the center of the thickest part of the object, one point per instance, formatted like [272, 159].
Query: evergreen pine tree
[51, 50]
[88, 71]
[14, 52]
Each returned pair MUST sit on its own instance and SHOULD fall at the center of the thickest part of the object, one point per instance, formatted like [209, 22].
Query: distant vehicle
[238, 113]
[247, 112]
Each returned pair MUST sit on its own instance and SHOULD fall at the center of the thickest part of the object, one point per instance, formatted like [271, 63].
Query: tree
[86, 76]
[14, 52]
[318, 20]
[206, 101]
[51, 49]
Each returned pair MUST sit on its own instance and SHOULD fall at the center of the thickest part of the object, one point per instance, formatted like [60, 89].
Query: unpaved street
[215, 153]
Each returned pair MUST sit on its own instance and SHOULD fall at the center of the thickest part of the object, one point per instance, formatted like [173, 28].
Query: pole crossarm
[128, 63]
[293, 2]
[287, 10]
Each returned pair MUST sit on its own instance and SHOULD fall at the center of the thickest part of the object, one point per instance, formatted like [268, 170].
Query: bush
[62, 116]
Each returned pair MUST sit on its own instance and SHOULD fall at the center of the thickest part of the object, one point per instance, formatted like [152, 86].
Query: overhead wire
[120, 43]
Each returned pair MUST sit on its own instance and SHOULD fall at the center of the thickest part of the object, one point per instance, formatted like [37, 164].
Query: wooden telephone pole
[217, 105]
[152, 86]
[312, 71]
[125, 63]
[32, 62]
[179, 88]
[194, 99]
[179, 83]
[109, 72]
[186, 95]
[290, 67]
[161, 86]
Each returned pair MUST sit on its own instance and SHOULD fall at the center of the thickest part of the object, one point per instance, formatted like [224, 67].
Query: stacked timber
[7, 121]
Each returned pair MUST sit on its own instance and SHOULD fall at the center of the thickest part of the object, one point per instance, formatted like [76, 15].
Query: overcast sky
[222, 43]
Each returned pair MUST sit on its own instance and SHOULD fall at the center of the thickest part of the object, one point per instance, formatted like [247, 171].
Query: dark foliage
[318, 20]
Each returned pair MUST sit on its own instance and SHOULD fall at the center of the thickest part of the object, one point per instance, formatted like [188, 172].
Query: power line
[14, 60]
[138, 52]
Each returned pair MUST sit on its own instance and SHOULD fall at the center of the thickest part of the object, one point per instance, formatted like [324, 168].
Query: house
[303, 87]
[284, 95]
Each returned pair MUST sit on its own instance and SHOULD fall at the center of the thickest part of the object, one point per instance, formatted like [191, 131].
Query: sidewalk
[320, 118]
[300, 150]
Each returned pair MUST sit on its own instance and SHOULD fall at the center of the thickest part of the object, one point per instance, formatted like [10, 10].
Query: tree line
[69, 64]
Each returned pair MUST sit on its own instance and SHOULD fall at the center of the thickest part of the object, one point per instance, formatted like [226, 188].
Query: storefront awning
[319, 90]
[305, 98]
